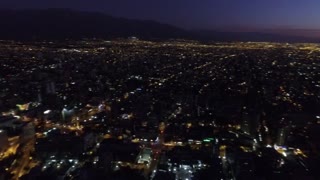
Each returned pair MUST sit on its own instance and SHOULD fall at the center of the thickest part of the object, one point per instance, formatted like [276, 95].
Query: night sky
[198, 14]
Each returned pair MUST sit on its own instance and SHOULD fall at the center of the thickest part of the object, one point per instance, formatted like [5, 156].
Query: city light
[171, 108]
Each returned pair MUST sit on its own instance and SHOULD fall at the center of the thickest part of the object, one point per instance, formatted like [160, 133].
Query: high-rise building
[28, 132]
[50, 87]
[282, 136]
[250, 121]
[4, 143]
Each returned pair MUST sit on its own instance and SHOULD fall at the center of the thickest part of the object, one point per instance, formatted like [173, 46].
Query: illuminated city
[172, 109]
[159, 90]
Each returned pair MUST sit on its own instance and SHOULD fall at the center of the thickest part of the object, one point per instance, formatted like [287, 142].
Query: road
[157, 147]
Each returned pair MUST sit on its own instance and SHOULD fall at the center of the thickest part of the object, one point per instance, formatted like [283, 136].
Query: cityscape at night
[142, 100]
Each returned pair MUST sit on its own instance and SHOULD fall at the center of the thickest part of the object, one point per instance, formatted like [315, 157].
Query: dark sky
[198, 14]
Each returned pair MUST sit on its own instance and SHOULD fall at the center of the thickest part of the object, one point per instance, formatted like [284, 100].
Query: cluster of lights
[46, 133]
[58, 163]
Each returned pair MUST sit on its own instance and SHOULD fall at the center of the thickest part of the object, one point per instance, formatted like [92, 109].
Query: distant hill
[57, 24]
[250, 36]
[64, 23]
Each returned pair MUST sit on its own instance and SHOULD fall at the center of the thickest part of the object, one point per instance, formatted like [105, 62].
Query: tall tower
[4, 143]
[39, 96]
[50, 87]
[250, 121]
[245, 124]
[282, 136]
